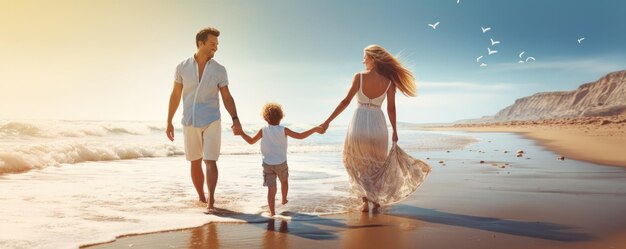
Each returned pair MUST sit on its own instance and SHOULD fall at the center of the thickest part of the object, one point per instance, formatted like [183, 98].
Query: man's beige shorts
[270, 172]
[203, 142]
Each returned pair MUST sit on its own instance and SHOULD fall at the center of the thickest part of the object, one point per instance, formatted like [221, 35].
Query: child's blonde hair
[272, 113]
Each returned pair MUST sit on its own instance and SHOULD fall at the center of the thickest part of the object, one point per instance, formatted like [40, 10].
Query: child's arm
[252, 140]
[305, 134]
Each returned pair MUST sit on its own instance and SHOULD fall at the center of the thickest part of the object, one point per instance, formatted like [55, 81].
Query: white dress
[381, 177]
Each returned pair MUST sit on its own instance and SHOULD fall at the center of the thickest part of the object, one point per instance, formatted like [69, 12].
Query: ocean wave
[67, 128]
[57, 128]
[22, 158]
[26, 157]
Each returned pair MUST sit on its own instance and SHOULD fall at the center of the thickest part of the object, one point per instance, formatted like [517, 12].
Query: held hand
[394, 138]
[319, 129]
[170, 131]
[237, 130]
[324, 126]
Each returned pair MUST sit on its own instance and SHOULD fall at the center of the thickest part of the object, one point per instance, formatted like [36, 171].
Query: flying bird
[485, 29]
[522, 53]
[580, 40]
[478, 59]
[434, 26]
[491, 51]
[494, 42]
[483, 65]
[530, 58]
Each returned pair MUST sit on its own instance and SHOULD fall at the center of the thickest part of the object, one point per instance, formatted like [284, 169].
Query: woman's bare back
[374, 85]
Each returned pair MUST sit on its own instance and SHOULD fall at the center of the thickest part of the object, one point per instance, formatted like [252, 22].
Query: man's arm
[305, 134]
[174, 102]
[229, 104]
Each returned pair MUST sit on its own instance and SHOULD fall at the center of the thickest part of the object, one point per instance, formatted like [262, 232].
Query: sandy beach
[593, 139]
[358, 230]
[533, 201]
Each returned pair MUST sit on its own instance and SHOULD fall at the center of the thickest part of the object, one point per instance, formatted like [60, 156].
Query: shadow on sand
[321, 228]
[541, 230]
[298, 224]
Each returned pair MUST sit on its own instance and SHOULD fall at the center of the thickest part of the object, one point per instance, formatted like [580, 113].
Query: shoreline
[463, 204]
[598, 140]
[136, 196]
[257, 219]
[362, 230]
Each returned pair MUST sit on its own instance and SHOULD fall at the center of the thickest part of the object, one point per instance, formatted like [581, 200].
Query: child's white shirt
[274, 144]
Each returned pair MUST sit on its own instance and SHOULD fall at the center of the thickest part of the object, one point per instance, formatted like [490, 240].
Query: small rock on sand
[506, 151]
[442, 161]
[520, 152]
[481, 161]
[561, 158]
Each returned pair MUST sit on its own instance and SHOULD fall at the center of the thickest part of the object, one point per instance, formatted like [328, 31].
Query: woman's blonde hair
[390, 67]
[272, 113]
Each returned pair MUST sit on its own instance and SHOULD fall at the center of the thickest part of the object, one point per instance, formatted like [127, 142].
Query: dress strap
[388, 86]
[361, 82]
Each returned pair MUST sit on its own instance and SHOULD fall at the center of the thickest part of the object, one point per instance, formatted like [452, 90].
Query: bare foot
[209, 211]
[202, 199]
[285, 201]
[272, 214]
[210, 203]
[366, 207]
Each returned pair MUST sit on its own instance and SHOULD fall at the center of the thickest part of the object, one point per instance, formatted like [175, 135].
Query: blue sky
[115, 59]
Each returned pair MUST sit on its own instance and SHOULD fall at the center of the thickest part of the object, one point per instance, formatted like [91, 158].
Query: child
[274, 149]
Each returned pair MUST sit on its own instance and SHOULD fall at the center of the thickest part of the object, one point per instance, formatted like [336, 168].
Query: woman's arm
[344, 103]
[391, 111]
[252, 140]
[305, 134]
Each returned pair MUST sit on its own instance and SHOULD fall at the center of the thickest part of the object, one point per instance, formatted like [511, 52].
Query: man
[200, 80]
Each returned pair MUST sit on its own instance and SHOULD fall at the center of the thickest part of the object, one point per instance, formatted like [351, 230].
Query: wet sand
[506, 202]
[600, 140]
[356, 230]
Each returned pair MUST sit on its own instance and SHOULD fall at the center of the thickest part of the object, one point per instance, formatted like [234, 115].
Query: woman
[375, 176]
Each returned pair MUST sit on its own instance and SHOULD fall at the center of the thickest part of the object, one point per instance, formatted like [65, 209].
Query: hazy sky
[115, 59]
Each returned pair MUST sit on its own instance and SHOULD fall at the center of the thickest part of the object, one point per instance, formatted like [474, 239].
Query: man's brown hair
[272, 113]
[204, 33]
